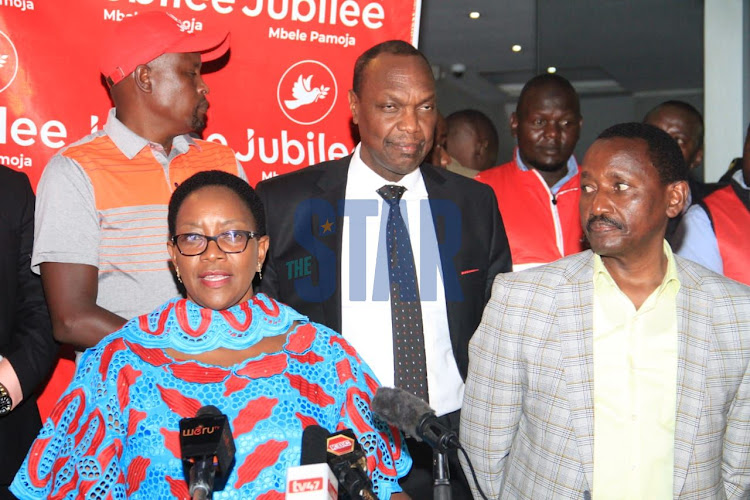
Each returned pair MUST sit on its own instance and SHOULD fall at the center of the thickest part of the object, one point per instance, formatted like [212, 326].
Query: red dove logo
[8, 61]
[304, 92]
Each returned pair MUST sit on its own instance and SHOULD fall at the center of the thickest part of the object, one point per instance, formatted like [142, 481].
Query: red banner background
[51, 92]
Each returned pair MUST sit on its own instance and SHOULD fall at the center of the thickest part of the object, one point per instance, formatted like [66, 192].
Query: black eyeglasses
[234, 241]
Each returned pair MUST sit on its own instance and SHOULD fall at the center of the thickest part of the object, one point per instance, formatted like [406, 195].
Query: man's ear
[482, 146]
[514, 124]
[677, 196]
[142, 77]
[354, 106]
[698, 158]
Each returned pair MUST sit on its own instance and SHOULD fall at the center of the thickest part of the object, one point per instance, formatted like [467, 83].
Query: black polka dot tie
[406, 310]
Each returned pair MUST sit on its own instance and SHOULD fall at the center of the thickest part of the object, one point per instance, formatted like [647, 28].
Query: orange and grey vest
[729, 211]
[132, 196]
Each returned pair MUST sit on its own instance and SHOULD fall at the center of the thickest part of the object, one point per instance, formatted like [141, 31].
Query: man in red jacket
[538, 191]
[714, 233]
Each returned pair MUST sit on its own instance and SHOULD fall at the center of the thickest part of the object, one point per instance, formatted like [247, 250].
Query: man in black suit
[27, 349]
[331, 254]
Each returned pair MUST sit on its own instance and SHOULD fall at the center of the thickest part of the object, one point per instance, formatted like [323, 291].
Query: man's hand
[10, 381]
[400, 496]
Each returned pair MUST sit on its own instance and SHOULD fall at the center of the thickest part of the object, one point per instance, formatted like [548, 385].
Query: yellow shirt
[635, 387]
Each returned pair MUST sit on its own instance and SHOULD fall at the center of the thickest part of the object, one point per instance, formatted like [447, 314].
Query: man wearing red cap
[101, 211]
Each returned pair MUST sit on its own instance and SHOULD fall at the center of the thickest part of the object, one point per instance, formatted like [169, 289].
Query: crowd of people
[582, 327]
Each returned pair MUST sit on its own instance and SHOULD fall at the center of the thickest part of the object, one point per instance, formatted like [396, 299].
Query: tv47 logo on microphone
[305, 485]
[311, 482]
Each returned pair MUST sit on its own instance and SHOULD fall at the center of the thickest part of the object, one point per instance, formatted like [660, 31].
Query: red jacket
[730, 217]
[541, 228]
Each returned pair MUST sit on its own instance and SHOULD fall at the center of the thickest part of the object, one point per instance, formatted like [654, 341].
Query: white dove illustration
[303, 93]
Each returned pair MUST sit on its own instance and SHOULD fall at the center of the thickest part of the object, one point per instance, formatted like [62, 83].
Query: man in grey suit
[620, 372]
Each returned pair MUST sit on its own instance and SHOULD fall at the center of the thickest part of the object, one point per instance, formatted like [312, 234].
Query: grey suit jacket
[528, 416]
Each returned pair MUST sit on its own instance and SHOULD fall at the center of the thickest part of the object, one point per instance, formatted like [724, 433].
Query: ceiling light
[458, 69]
[474, 15]
[516, 48]
[551, 69]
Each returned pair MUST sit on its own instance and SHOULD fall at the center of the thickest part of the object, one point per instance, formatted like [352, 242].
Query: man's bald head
[393, 47]
[547, 81]
[684, 123]
[472, 139]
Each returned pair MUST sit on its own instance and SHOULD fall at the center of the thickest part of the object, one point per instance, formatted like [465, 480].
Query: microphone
[349, 464]
[414, 416]
[313, 478]
[207, 449]
[314, 442]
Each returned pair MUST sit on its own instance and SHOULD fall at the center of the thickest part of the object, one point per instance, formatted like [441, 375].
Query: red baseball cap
[142, 38]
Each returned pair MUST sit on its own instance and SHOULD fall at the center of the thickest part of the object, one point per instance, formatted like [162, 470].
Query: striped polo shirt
[103, 200]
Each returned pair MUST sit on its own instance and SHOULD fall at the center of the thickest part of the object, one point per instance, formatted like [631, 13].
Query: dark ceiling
[603, 46]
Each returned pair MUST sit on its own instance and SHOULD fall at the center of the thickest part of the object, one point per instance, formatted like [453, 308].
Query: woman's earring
[177, 270]
[260, 271]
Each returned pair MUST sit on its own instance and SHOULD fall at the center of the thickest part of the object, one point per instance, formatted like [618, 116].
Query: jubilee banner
[278, 98]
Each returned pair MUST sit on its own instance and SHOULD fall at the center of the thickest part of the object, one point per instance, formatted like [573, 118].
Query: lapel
[331, 187]
[575, 321]
[434, 182]
[694, 320]
[437, 190]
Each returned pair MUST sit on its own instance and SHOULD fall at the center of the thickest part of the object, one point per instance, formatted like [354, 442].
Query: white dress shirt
[365, 302]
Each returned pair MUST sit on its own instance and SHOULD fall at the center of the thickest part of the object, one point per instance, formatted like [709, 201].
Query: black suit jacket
[25, 328]
[303, 262]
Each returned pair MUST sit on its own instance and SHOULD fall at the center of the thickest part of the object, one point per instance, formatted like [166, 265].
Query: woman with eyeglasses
[115, 432]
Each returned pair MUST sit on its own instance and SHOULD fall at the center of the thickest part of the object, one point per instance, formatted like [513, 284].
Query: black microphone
[349, 464]
[413, 416]
[314, 442]
[312, 479]
[207, 449]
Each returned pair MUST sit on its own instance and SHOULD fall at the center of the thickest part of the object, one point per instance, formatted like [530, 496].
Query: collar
[456, 167]
[601, 274]
[187, 327]
[130, 143]
[572, 169]
[739, 178]
[362, 181]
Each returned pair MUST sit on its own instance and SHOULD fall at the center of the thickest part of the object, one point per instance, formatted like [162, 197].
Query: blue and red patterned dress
[114, 433]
